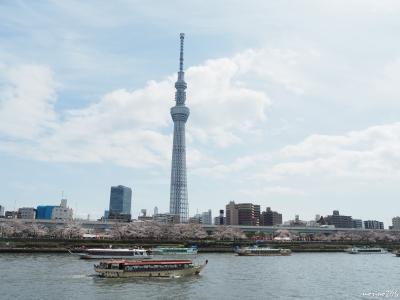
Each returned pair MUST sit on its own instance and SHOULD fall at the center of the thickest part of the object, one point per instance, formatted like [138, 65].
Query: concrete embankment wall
[62, 246]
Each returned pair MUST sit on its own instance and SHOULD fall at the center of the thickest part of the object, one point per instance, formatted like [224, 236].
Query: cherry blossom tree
[228, 233]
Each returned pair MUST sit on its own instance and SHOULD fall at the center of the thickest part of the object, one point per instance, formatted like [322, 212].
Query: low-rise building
[10, 214]
[373, 224]
[357, 223]
[220, 220]
[167, 218]
[26, 213]
[296, 222]
[196, 219]
[62, 212]
[144, 216]
[44, 212]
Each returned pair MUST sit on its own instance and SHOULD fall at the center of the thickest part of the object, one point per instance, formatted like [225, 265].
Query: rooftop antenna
[180, 74]
[182, 35]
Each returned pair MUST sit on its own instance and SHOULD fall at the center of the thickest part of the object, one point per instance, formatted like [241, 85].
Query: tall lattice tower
[178, 194]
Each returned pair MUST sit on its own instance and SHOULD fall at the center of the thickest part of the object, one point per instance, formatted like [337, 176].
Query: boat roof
[147, 262]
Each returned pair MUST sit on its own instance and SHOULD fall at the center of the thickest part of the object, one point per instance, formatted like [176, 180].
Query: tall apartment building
[339, 221]
[373, 224]
[1, 211]
[232, 214]
[120, 203]
[242, 214]
[270, 218]
[396, 223]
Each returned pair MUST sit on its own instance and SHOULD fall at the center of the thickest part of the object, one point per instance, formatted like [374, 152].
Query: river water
[300, 276]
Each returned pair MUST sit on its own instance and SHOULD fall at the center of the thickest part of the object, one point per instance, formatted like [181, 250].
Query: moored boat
[174, 250]
[366, 250]
[111, 253]
[263, 251]
[148, 268]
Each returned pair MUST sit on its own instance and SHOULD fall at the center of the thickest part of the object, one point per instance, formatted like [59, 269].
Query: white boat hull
[95, 256]
[110, 273]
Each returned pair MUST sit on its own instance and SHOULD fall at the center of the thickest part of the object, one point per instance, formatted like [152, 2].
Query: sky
[294, 104]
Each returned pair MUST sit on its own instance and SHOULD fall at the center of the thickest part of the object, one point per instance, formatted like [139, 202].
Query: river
[300, 276]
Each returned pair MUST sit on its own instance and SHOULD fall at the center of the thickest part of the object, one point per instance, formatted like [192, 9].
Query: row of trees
[342, 236]
[15, 228]
[157, 231]
[120, 231]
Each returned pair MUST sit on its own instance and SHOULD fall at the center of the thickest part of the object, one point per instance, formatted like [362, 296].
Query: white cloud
[27, 98]
[369, 154]
[265, 192]
[386, 87]
[131, 128]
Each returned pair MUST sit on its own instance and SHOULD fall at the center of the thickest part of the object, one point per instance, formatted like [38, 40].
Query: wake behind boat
[110, 253]
[149, 268]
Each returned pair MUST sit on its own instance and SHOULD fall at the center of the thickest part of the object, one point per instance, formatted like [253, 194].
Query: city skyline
[294, 108]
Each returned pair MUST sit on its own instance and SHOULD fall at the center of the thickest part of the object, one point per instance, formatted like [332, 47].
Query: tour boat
[397, 253]
[366, 250]
[174, 250]
[100, 253]
[149, 268]
[263, 251]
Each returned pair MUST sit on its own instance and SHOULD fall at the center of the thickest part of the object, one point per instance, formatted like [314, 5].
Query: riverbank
[23, 245]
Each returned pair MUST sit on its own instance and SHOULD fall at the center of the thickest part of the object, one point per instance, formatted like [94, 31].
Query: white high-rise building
[206, 217]
[179, 113]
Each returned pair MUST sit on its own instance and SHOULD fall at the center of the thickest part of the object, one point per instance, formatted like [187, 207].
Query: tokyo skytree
[178, 193]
